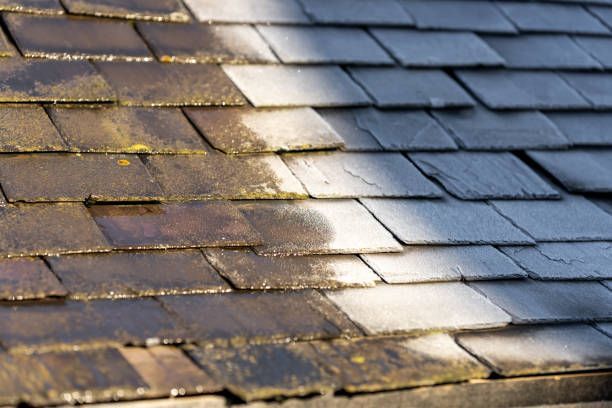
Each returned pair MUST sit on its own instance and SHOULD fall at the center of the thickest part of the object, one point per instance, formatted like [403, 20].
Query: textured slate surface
[348, 126]
[32, 6]
[158, 10]
[26, 129]
[28, 278]
[597, 47]
[584, 128]
[379, 12]
[594, 87]
[248, 11]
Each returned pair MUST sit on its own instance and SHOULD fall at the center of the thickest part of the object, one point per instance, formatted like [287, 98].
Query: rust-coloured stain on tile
[126, 130]
[132, 274]
[71, 177]
[27, 278]
[156, 10]
[73, 38]
[51, 81]
[32, 6]
[154, 84]
[28, 129]
[174, 225]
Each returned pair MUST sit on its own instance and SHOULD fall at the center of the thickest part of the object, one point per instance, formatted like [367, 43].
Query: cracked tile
[418, 307]
[247, 270]
[345, 123]
[357, 12]
[248, 130]
[443, 263]
[135, 274]
[594, 87]
[32, 6]
[346, 175]
[316, 227]
[584, 128]
[156, 10]
[248, 11]
[28, 129]
[26, 279]
[481, 175]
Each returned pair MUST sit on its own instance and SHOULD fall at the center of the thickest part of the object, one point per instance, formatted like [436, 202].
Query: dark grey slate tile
[324, 45]
[247, 11]
[543, 17]
[541, 51]
[582, 170]
[347, 125]
[375, 12]
[436, 49]
[443, 263]
[564, 260]
[277, 86]
[481, 175]
[600, 48]
[482, 129]
[395, 87]
[499, 89]
[529, 301]
[445, 221]
[573, 218]
[466, 15]
[594, 87]
[584, 128]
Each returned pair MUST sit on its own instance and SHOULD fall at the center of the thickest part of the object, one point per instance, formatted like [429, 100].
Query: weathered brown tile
[368, 365]
[28, 129]
[27, 278]
[32, 6]
[129, 274]
[168, 371]
[47, 229]
[62, 325]
[317, 227]
[155, 84]
[217, 175]
[71, 177]
[246, 130]
[174, 225]
[51, 81]
[266, 371]
[202, 43]
[240, 317]
[126, 130]
[156, 10]
[247, 270]
[70, 38]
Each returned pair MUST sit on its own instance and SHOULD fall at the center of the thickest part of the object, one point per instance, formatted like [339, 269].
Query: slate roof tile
[436, 48]
[444, 221]
[134, 274]
[217, 175]
[317, 227]
[499, 89]
[32, 6]
[594, 87]
[154, 84]
[346, 175]
[348, 126]
[6, 49]
[443, 263]
[247, 270]
[28, 129]
[157, 10]
[285, 86]
[482, 175]
[26, 279]
[564, 260]
[395, 87]
[200, 43]
[248, 11]
[180, 225]
[598, 47]
[324, 45]
[529, 301]
[584, 128]
[418, 307]
[603, 13]
[357, 12]
[248, 130]
[537, 350]
[68, 38]
[70, 177]
[605, 328]
[481, 129]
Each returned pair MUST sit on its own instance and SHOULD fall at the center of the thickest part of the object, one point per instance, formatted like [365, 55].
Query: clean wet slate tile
[444, 263]
[68, 38]
[284, 86]
[482, 129]
[32, 6]
[499, 89]
[155, 10]
[348, 126]
[516, 351]
[349, 175]
[248, 11]
[436, 48]
[28, 129]
[530, 301]
[396, 87]
[27, 279]
[388, 309]
[579, 170]
[599, 47]
[445, 221]
[564, 260]
[201, 43]
[324, 45]
[573, 218]
[584, 128]
[594, 87]
[357, 12]
[483, 175]
[467, 15]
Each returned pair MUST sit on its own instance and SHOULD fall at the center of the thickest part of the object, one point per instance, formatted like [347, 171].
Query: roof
[305, 202]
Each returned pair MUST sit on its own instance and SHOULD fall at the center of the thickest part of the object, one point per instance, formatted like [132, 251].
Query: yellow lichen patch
[138, 147]
[123, 162]
[358, 359]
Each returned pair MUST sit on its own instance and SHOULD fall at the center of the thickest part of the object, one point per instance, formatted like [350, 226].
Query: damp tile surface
[28, 129]
[156, 10]
[28, 278]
